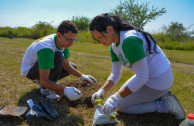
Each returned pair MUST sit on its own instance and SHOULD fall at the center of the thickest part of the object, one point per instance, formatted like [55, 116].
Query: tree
[81, 22]
[43, 25]
[42, 29]
[176, 31]
[137, 14]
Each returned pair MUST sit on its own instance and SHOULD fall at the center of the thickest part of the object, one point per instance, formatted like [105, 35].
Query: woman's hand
[98, 94]
[111, 103]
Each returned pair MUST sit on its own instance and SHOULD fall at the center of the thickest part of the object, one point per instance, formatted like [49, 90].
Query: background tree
[177, 32]
[42, 29]
[81, 22]
[137, 14]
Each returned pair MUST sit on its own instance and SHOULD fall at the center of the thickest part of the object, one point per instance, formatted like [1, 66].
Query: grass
[93, 59]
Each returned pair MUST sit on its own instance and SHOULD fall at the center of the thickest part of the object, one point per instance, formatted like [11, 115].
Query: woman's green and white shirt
[132, 47]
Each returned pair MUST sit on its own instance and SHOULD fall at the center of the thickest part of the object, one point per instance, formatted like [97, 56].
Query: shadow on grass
[67, 118]
[10, 121]
[149, 119]
[61, 105]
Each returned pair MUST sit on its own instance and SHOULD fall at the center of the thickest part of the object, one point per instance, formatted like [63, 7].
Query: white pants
[146, 99]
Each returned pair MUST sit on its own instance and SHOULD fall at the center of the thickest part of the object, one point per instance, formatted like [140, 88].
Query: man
[46, 61]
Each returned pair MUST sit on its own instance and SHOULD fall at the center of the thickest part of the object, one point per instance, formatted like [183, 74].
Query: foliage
[177, 46]
[175, 37]
[177, 32]
[81, 22]
[37, 31]
[137, 14]
[19, 32]
[164, 39]
[43, 25]
[166, 42]
[5, 31]
[85, 36]
[42, 29]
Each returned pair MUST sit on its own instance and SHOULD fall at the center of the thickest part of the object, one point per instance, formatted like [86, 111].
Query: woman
[146, 91]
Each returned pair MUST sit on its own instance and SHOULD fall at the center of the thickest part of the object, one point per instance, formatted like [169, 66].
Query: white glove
[72, 93]
[88, 78]
[98, 94]
[111, 103]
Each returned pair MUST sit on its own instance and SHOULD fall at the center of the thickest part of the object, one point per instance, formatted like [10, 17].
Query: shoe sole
[179, 118]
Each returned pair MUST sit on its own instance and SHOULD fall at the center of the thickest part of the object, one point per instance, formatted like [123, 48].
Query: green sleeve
[66, 53]
[133, 49]
[46, 58]
[114, 57]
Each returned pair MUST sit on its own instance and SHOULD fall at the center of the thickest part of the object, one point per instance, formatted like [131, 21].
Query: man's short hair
[67, 26]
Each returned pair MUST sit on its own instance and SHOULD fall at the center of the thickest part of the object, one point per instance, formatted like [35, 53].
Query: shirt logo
[121, 59]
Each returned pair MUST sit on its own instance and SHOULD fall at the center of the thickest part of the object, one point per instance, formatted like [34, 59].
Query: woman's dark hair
[66, 26]
[100, 23]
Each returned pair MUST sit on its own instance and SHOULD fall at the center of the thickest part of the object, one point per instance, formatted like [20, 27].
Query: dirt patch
[87, 90]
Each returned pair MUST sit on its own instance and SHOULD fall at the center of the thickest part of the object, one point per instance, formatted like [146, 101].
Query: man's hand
[72, 93]
[88, 78]
[111, 103]
[98, 94]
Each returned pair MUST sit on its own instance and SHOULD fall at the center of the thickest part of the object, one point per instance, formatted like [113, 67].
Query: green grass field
[93, 59]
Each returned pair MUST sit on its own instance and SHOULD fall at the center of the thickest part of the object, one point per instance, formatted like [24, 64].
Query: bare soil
[87, 90]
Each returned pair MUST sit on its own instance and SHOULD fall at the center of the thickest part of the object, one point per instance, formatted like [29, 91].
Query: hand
[111, 103]
[88, 78]
[72, 93]
[98, 94]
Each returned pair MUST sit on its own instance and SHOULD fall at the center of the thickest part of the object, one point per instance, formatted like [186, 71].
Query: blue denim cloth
[42, 109]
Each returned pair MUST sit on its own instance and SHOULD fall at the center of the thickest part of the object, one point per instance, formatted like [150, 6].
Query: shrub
[82, 22]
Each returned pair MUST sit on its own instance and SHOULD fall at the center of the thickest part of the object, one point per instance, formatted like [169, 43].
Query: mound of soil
[87, 90]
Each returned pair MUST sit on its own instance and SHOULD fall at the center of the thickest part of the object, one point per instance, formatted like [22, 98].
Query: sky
[26, 13]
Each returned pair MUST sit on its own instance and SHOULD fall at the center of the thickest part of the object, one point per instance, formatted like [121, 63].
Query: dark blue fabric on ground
[42, 109]
[11, 37]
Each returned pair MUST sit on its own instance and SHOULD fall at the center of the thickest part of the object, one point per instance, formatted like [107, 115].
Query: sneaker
[175, 107]
[48, 93]
[166, 96]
